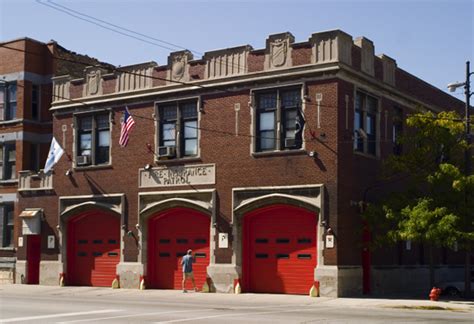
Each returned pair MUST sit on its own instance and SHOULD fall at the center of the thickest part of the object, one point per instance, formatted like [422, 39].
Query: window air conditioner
[290, 142]
[83, 160]
[166, 151]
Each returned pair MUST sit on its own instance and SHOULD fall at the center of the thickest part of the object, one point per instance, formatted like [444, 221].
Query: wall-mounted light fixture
[68, 173]
[147, 167]
[313, 154]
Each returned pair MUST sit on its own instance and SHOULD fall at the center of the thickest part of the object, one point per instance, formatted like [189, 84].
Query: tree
[437, 207]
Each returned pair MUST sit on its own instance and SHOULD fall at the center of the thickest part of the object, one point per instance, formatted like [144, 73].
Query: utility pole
[467, 165]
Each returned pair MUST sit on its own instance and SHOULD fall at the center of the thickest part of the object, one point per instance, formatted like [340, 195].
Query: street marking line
[229, 315]
[132, 315]
[19, 319]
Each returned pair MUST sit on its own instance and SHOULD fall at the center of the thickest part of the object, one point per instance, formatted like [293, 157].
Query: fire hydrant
[435, 293]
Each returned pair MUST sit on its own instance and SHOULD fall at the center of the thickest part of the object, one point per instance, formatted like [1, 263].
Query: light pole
[467, 162]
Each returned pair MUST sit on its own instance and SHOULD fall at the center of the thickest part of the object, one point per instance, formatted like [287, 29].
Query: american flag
[127, 125]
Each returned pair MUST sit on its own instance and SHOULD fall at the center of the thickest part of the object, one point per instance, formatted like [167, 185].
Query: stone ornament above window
[278, 50]
[178, 63]
[93, 86]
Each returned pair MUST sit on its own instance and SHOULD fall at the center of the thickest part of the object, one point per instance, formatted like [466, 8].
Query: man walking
[187, 263]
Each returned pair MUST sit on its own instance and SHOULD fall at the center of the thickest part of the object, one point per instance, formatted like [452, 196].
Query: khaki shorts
[189, 275]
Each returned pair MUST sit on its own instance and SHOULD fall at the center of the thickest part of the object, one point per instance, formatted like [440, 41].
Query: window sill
[179, 161]
[8, 182]
[93, 167]
[279, 153]
[10, 121]
[370, 156]
[9, 248]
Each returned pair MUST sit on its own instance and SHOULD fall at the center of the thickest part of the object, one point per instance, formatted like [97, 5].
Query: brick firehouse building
[253, 158]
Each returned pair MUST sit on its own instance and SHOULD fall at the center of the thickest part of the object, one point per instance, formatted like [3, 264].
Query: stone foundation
[7, 270]
[223, 276]
[20, 272]
[130, 274]
[49, 272]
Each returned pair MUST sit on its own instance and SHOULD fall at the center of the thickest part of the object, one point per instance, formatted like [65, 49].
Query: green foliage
[439, 207]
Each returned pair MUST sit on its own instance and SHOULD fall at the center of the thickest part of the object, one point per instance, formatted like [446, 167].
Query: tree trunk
[432, 273]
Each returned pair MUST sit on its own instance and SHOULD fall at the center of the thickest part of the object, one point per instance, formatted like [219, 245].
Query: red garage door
[279, 253]
[170, 235]
[93, 249]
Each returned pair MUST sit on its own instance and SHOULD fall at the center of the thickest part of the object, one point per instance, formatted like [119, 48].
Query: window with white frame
[178, 129]
[279, 121]
[6, 224]
[8, 101]
[365, 123]
[93, 139]
[7, 161]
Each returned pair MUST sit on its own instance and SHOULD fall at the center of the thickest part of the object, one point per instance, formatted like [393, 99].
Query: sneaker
[185, 291]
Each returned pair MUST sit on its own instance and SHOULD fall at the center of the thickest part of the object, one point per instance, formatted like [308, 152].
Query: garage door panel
[93, 249]
[171, 234]
[279, 250]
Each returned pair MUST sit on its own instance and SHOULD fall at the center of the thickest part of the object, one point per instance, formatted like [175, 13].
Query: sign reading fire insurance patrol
[200, 174]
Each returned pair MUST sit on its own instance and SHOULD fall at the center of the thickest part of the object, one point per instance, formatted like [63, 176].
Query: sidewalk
[155, 295]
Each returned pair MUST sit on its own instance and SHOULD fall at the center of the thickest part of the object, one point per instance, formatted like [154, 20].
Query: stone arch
[155, 208]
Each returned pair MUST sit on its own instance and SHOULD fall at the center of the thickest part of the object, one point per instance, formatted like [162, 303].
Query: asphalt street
[43, 304]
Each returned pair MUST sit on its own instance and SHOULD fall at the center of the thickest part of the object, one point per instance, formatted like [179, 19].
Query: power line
[75, 13]
[117, 26]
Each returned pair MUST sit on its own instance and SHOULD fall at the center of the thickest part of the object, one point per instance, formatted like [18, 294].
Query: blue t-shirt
[187, 263]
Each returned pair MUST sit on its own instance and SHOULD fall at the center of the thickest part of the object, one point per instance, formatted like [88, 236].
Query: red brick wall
[196, 71]
[76, 90]
[108, 86]
[301, 55]
[255, 61]
[160, 76]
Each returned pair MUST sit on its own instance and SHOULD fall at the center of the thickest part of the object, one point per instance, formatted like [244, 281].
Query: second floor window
[365, 124]
[8, 101]
[6, 225]
[93, 140]
[7, 161]
[278, 110]
[178, 129]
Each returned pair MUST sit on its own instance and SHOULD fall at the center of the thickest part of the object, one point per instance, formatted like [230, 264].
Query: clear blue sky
[430, 39]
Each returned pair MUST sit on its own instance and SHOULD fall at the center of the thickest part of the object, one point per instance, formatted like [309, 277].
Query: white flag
[55, 153]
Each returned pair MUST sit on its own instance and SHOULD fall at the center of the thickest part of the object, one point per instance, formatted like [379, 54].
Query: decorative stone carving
[61, 86]
[135, 77]
[178, 66]
[227, 62]
[278, 51]
[331, 46]
[93, 86]
[367, 54]
[389, 67]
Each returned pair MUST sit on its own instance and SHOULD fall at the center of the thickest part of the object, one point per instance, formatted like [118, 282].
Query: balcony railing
[32, 181]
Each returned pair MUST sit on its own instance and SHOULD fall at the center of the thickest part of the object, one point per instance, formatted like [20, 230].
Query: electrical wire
[75, 13]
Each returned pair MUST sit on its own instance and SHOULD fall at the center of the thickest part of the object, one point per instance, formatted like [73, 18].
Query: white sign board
[223, 240]
[199, 174]
[329, 241]
[20, 241]
[50, 241]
